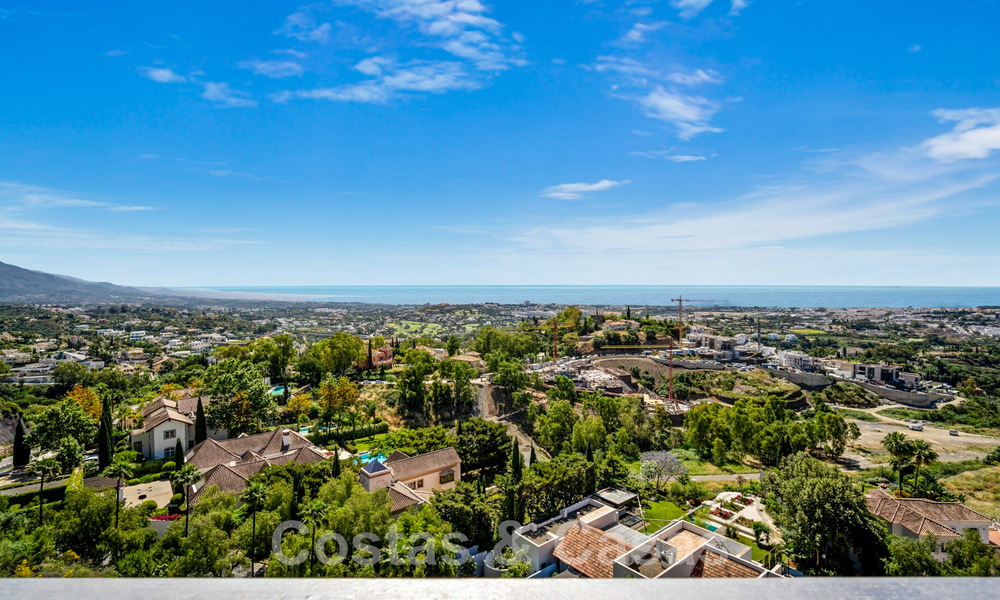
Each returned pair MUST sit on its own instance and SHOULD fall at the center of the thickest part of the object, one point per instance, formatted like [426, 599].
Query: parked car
[953, 432]
[916, 426]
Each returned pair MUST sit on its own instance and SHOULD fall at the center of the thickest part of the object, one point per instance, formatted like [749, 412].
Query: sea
[641, 295]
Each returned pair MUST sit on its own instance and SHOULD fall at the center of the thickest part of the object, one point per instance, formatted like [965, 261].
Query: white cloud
[737, 7]
[162, 75]
[575, 191]
[221, 93]
[690, 8]
[275, 69]
[459, 27]
[22, 197]
[689, 114]
[671, 156]
[696, 77]
[637, 34]
[975, 135]
[915, 48]
[302, 26]
[391, 80]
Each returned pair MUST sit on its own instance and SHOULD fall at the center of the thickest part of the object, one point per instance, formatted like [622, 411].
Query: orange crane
[556, 326]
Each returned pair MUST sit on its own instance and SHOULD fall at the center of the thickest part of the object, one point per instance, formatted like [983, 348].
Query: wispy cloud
[976, 134]
[302, 25]
[914, 48]
[690, 8]
[389, 79]
[275, 69]
[18, 196]
[637, 34]
[410, 60]
[737, 6]
[575, 191]
[223, 95]
[671, 156]
[162, 75]
[690, 114]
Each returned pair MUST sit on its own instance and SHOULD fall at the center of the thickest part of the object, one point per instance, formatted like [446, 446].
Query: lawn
[757, 552]
[660, 513]
[365, 444]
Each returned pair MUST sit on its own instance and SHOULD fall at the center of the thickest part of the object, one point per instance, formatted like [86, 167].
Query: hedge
[51, 494]
[346, 433]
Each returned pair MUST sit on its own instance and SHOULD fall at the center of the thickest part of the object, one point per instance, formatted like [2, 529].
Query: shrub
[169, 466]
[177, 499]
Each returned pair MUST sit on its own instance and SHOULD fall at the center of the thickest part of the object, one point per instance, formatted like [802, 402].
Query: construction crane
[556, 326]
[680, 300]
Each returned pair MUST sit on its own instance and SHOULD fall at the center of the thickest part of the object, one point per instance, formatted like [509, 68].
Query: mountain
[23, 285]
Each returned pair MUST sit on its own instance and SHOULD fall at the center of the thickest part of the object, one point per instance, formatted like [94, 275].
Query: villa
[412, 480]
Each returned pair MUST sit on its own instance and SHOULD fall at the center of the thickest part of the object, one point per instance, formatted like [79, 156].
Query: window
[168, 453]
[447, 477]
[416, 485]
[137, 446]
[169, 434]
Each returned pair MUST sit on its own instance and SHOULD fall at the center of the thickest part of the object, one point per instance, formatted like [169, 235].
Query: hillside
[23, 285]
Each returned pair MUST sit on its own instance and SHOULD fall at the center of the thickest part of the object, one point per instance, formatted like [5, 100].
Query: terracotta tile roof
[268, 444]
[397, 455]
[210, 453]
[712, 565]
[590, 551]
[432, 462]
[919, 515]
[402, 497]
[162, 416]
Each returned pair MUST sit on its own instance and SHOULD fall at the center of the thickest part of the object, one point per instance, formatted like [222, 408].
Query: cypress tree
[200, 426]
[516, 462]
[590, 454]
[371, 363]
[458, 428]
[179, 455]
[336, 466]
[534, 457]
[22, 452]
[105, 446]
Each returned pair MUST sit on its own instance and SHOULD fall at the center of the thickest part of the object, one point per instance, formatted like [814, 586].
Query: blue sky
[392, 142]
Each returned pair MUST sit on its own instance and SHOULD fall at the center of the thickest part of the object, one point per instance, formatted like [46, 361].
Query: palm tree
[923, 455]
[119, 469]
[315, 512]
[43, 468]
[253, 496]
[185, 477]
[901, 450]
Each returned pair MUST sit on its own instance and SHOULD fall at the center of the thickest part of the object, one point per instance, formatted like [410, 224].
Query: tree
[824, 519]
[70, 454]
[185, 477]
[555, 426]
[664, 466]
[901, 450]
[66, 419]
[120, 469]
[240, 400]
[338, 353]
[253, 497]
[105, 444]
[200, 424]
[336, 395]
[923, 455]
[970, 556]
[45, 468]
[482, 444]
[453, 346]
[88, 400]
[912, 557]
[178, 455]
[22, 451]
[315, 512]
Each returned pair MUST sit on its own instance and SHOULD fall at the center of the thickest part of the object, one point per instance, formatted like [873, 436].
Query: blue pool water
[366, 457]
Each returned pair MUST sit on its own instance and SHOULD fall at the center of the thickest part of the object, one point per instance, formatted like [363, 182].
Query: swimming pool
[366, 457]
